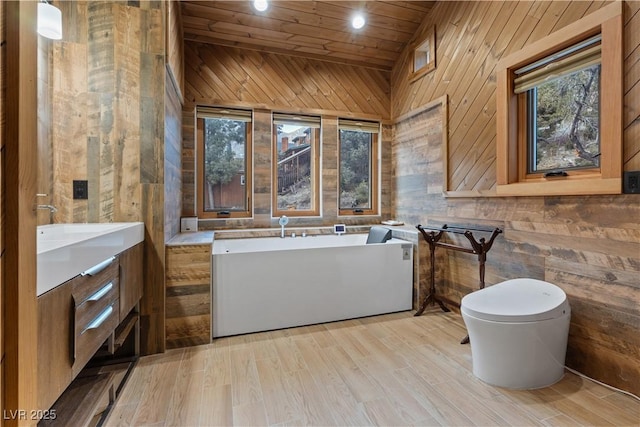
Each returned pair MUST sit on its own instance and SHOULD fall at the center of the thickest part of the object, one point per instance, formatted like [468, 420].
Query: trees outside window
[224, 172]
[564, 122]
[358, 167]
[559, 110]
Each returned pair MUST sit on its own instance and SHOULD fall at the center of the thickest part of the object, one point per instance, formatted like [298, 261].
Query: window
[560, 99]
[296, 165]
[358, 175]
[224, 162]
[424, 56]
[559, 111]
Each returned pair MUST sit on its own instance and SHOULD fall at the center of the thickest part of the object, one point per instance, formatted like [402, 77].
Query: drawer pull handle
[102, 292]
[99, 267]
[99, 320]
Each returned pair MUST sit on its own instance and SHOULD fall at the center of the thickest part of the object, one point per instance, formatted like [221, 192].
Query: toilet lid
[516, 300]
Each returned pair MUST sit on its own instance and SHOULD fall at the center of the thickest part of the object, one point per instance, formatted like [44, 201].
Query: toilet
[518, 331]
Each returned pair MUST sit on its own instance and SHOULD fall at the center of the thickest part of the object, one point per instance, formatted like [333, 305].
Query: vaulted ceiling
[312, 29]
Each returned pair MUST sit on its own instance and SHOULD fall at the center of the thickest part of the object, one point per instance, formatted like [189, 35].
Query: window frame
[525, 147]
[511, 155]
[428, 39]
[374, 166]
[248, 182]
[315, 165]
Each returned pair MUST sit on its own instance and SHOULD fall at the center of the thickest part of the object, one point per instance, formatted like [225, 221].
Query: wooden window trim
[374, 181]
[315, 173]
[430, 36]
[512, 178]
[202, 214]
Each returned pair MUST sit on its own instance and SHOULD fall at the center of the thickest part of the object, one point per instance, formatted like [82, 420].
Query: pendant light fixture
[49, 21]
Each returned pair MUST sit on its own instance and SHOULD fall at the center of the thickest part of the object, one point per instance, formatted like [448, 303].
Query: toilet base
[525, 355]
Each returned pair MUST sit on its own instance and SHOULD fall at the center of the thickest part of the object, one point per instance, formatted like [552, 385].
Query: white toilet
[518, 331]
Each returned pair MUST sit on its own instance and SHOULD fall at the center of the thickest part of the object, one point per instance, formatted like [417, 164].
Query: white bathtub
[272, 283]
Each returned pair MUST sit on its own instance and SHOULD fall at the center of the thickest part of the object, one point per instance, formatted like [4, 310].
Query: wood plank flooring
[386, 370]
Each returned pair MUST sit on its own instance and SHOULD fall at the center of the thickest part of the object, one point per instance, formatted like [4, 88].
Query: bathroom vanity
[91, 315]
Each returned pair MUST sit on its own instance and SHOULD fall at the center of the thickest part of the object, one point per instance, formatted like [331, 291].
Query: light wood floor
[386, 370]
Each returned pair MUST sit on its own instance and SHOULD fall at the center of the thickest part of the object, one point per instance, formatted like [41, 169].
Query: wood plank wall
[175, 45]
[589, 246]
[188, 308]
[174, 89]
[217, 75]
[45, 157]
[107, 124]
[173, 157]
[19, 175]
[3, 80]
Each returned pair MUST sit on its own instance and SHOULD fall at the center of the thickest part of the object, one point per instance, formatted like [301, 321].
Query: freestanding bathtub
[261, 284]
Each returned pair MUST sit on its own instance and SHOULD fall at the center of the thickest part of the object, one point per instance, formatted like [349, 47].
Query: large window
[224, 162]
[358, 192]
[296, 156]
[559, 111]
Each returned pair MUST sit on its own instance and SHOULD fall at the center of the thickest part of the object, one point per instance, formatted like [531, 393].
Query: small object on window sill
[391, 222]
[555, 174]
[358, 211]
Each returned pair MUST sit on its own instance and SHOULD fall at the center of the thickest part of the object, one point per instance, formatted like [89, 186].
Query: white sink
[66, 250]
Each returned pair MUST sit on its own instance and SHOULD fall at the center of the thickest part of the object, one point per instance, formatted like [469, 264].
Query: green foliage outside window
[224, 149]
[566, 123]
[355, 173]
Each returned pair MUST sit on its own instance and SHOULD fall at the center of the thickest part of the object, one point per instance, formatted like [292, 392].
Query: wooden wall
[173, 158]
[107, 127]
[3, 81]
[174, 88]
[216, 75]
[18, 183]
[188, 308]
[45, 156]
[589, 246]
[175, 45]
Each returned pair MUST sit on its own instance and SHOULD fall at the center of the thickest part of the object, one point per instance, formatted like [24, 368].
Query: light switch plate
[80, 189]
[631, 182]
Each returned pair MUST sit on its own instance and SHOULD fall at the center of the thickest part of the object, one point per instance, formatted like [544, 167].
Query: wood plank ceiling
[311, 29]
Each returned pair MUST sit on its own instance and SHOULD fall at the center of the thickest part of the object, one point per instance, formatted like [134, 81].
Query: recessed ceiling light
[261, 5]
[357, 21]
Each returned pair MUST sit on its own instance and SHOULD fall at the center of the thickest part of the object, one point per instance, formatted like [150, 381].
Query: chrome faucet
[52, 208]
[283, 221]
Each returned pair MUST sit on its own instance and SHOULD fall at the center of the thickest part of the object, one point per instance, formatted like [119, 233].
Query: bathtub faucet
[283, 221]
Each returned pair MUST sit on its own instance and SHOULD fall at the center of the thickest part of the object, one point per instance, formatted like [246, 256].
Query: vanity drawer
[92, 332]
[95, 304]
[94, 279]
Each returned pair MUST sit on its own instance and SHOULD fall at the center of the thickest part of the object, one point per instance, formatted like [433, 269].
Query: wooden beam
[20, 175]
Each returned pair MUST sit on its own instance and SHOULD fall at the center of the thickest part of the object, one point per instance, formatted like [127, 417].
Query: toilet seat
[516, 300]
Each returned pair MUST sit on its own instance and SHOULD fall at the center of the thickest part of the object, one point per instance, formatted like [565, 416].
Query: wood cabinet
[96, 311]
[55, 329]
[76, 318]
[130, 279]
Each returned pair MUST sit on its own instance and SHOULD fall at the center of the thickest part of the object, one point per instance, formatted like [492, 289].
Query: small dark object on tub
[378, 235]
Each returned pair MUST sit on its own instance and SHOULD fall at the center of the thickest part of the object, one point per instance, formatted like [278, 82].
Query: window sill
[348, 214]
[469, 194]
[577, 186]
